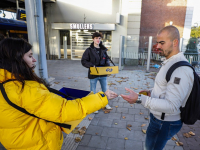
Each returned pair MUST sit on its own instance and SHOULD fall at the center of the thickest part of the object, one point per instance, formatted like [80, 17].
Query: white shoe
[108, 107]
[96, 112]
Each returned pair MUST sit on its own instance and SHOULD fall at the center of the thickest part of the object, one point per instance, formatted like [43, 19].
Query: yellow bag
[104, 70]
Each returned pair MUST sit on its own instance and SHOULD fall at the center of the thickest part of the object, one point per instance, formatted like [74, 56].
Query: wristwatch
[139, 101]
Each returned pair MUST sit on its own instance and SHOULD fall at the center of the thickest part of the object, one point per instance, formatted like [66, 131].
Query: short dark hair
[1, 37]
[173, 32]
[97, 34]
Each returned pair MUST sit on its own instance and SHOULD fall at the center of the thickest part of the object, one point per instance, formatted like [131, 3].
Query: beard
[166, 52]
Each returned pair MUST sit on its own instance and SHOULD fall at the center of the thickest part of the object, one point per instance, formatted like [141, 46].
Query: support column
[35, 24]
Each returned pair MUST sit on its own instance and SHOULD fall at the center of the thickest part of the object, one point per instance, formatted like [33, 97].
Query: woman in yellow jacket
[21, 131]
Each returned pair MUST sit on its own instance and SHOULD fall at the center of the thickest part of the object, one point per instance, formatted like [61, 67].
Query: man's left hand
[131, 98]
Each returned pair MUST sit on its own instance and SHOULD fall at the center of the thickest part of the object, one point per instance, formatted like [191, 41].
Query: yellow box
[104, 70]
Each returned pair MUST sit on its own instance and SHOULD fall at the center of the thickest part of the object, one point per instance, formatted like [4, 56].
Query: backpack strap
[171, 70]
[24, 110]
[176, 65]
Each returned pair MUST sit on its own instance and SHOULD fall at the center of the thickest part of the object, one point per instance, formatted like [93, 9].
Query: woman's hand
[110, 94]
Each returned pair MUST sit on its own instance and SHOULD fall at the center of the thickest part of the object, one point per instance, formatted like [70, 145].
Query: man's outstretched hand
[110, 94]
[131, 98]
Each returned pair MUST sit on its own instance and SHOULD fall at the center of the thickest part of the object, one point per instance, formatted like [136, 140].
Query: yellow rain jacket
[19, 131]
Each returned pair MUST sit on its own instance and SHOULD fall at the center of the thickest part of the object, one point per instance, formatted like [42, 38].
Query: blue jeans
[103, 82]
[159, 132]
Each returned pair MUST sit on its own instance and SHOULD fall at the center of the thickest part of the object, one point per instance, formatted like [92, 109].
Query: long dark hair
[12, 51]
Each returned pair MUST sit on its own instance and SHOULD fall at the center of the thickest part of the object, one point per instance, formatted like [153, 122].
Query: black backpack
[191, 112]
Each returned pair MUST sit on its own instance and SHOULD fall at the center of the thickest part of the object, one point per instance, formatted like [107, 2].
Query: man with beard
[166, 97]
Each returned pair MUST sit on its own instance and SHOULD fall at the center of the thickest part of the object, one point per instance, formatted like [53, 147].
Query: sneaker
[96, 112]
[108, 107]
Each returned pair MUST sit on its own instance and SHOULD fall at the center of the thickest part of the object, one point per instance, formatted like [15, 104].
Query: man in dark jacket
[96, 55]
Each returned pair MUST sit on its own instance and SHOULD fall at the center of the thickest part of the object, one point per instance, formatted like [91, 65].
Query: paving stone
[115, 144]
[113, 110]
[109, 132]
[112, 116]
[105, 122]
[169, 147]
[131, 145]
[178, 148]
[128, 117]
[120, 124]
[85, 140]
[118, 104]
[126, 133]
[139, 136]
[137, 125]
[95, 121]
[134, 111]
[101, 114]
[98, 142]
[122, 110]
[127, 105]
[171, 142]
[92, 129]
[139, 106]
[85, 148]
[144, 111]
[139, 118]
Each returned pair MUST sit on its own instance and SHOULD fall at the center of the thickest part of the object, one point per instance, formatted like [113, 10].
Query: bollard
[149, 53]
[190, 59]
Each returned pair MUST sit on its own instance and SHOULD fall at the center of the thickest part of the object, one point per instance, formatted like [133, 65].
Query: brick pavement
[107, 131]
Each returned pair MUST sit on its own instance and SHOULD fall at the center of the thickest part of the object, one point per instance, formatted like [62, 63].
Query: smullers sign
[81, 26]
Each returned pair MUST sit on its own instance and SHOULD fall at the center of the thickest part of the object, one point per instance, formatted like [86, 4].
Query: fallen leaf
[135, 88]
[69, 78]
[115, 123]
[128, 128]
[174, 139]
[131, 105]
[191, 133]
[77, 127]
[129, 125]
[125, 138]
[179, 143]
[77, 139]
[84, 128]
[75, 131]
[187, 135]
[111, 83]
[143, 125]
[56, 82]
[107, 111]
[123, 117]
[90, 118]
[141, 113]
[127, 92]
[96, 133]
[115, 88]
[146, 118]
[116, 106]
[75, 81]
[81, 132]
[144, 131]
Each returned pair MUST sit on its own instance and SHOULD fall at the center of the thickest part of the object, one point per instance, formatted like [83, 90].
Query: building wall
[68, 11]
[188, 23]
[157, 14]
